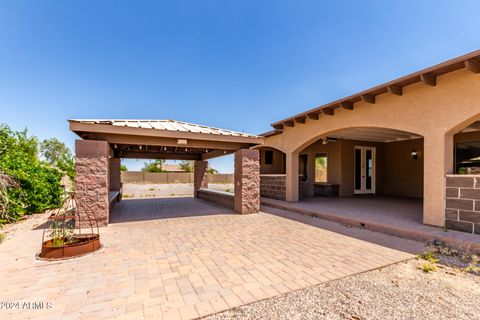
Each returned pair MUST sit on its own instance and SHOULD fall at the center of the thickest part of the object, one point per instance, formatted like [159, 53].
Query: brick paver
[181, 258]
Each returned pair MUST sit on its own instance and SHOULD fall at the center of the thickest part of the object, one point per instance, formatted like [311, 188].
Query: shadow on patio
[401, 217]
[129, 210]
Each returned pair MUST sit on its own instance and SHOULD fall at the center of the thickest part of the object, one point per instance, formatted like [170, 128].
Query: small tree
[123, 167]
[155, 166]
[58, 155]
[186, 165]
[211, 170]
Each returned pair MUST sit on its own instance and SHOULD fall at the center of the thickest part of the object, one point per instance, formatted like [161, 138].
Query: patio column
[291, 177]
[438, 161]
[92, 179]
[247, 181]
[200, 178]
[115, 176]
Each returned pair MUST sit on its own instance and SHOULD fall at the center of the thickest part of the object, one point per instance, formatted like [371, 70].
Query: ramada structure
[416, 137]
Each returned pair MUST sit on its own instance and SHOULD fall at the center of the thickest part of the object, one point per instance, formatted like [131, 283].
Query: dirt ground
[132, 190]
[400, 291]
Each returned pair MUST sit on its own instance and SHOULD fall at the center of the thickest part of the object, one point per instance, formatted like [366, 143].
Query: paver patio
[181, 258]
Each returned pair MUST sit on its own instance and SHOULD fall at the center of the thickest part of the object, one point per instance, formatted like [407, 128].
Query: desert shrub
[37, 184]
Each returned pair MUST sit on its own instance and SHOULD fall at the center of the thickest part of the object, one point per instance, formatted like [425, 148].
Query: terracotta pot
[86, 243]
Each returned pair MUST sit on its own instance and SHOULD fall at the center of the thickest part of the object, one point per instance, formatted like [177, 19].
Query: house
[416, 137]
[413, 137]
[172, 167]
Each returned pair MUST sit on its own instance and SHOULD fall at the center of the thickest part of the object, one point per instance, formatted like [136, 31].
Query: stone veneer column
[200, 178]
[115, 183]
[247, 181]
[92, 180]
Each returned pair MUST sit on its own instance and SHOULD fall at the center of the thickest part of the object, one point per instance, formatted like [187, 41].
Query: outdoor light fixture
[115, 146]
[414, 154]
[324, 141]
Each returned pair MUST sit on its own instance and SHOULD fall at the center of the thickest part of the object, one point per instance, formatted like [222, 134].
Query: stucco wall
[334, 169]
[278, 165]
[403, 176]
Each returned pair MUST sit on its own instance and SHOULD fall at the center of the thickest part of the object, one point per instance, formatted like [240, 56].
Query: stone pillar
[200, 177]
[291, 177]
[92, 180]
[115, 177]
[247, 181]
[437, 162]
[115, 183]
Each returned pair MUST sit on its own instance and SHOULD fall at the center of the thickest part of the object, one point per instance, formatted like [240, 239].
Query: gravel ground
[132, 190]
[400, 291]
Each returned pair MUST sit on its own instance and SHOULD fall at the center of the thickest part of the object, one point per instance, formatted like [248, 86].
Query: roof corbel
[368, 98]
[429, 79]
[472, 65]
[328, 111]
[396, 90]
[346, 105]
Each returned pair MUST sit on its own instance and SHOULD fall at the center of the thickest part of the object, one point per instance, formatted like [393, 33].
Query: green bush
[38, 184]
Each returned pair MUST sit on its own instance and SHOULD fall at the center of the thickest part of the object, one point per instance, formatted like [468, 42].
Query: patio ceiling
[163, 139]
[373, 134]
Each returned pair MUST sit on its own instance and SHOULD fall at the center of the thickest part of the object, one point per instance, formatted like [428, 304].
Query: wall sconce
[414, 154]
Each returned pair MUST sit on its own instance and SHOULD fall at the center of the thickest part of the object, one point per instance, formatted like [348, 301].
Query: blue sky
[239, 65]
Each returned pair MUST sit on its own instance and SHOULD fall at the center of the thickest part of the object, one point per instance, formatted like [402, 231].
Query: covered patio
[397, 216]
[105, 142]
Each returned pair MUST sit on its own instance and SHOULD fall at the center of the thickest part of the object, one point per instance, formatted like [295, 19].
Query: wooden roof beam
[346, 105]
[429, 79]
[396, 90]
[368, 98]
[289, 123]
[300, 119]
[278, 126]
[216, 153]
[312, 116]
[328, 111]
[472, 65]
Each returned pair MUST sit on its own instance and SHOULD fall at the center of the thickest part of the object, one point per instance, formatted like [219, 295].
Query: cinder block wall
[272, 186]
[170, 177]
[462, 210]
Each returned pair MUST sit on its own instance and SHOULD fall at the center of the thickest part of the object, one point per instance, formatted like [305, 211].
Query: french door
[364, 170]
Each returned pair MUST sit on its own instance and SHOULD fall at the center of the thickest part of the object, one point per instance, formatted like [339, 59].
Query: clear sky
[238, 65]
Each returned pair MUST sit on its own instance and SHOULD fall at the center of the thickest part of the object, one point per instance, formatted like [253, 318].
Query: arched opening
[462, 193]
[371, 174]
[467, 149]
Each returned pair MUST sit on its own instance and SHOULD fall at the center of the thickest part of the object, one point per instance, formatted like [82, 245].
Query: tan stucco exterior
[434, 112]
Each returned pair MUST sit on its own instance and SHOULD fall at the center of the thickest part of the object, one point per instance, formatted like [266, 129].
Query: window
[321, 167]
[268, 157]
[467, 157]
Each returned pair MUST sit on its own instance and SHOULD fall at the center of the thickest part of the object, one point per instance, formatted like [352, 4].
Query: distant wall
[170, 177]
